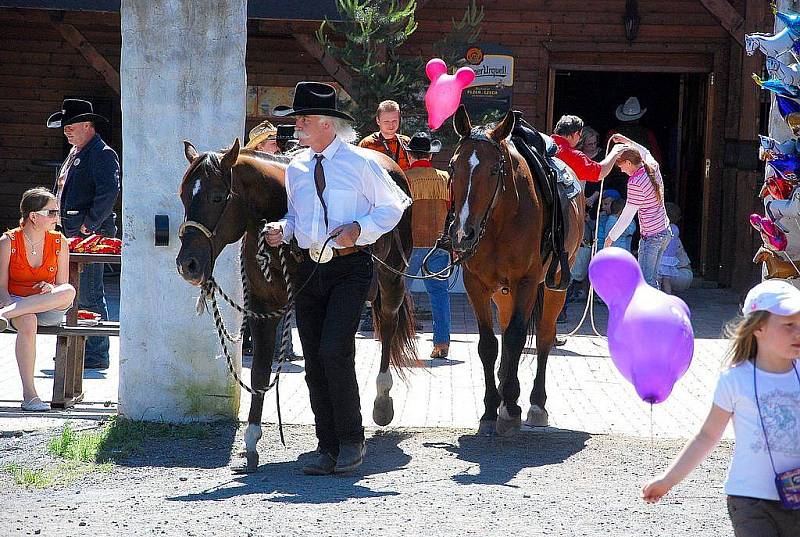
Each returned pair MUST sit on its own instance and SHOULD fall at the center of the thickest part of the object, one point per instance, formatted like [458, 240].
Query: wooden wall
[38, 69]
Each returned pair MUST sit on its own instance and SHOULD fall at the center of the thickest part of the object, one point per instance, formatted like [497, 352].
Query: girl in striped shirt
[645, 197]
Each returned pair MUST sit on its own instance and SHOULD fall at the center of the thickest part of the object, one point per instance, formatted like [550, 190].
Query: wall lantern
[631, 20]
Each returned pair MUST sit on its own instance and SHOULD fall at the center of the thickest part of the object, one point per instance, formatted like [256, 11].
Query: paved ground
[585, 391]
[428, 473]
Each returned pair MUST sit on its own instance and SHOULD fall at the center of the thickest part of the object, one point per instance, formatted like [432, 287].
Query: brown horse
[229, 195]
[497, 232]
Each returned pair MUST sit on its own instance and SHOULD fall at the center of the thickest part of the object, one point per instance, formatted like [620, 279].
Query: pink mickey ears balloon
[650, 335]
[444, 93]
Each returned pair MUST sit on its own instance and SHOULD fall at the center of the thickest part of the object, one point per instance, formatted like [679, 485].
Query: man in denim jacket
[87, 188]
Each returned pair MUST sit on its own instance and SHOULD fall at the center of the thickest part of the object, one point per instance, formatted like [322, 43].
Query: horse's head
[214, 213]
[477, 172]
[751, 43]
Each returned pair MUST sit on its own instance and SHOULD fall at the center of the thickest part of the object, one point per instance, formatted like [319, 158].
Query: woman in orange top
[34, 271]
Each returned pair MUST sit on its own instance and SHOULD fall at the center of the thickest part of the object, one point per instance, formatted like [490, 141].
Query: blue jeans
[650, 251]
[437, 291]
[92, 293]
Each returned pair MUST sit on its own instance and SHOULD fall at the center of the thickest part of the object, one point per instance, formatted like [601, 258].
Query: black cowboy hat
[73, 111]
[285, 132]
[422, 143]
[312, 99]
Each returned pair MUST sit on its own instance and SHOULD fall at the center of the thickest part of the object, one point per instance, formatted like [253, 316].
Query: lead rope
[589, 308]
[210, 290]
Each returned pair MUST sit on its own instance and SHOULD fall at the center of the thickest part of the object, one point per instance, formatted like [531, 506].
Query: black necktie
[319, 181]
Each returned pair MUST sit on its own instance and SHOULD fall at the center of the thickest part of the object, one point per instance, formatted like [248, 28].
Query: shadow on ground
[497, 460]
[193, 445]
[287, 483]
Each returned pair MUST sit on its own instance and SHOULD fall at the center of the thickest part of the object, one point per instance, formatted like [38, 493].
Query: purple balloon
[650, 333]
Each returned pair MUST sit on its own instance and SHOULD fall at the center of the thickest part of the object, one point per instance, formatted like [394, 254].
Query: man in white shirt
[333, 190]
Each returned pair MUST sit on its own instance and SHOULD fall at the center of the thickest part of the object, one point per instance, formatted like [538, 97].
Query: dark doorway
[676, 115]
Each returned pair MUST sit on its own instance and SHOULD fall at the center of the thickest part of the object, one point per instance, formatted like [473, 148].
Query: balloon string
[652, 470]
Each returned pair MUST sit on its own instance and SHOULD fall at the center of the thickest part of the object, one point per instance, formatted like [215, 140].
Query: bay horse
[228, 196]
[497, 232]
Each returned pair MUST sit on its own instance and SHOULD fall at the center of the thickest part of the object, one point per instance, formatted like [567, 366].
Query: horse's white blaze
[251, 436]
[464, 214]
[196, 187]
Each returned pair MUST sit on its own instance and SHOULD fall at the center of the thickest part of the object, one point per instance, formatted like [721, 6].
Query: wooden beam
[728, 17]
[337, 71]
[72, 36]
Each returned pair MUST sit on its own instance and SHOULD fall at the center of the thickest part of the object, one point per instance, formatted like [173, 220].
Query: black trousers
[328, 313]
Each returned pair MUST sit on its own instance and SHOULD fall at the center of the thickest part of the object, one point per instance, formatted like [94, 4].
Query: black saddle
[538, 149]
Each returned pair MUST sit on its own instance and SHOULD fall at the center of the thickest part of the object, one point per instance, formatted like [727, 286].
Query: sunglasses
[52, 213]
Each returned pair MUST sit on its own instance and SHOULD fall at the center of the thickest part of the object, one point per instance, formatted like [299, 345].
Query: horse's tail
[536, 315]
[402, 347]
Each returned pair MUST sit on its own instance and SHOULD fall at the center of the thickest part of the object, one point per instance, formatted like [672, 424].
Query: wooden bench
[71, 336]
[70, 345]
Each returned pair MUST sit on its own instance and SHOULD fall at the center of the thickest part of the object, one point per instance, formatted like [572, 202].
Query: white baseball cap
[775, 296]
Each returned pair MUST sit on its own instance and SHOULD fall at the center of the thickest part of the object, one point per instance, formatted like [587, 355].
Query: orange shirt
[21, 276]
[376, 142]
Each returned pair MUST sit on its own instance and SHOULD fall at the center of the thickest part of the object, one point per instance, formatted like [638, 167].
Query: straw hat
[259, 133]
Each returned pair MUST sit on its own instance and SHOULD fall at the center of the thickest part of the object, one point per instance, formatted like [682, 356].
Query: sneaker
[35, 405]
[440, 351]
[3, 323]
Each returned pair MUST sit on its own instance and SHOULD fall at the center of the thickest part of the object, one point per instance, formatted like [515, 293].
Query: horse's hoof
[508, 426]
[250, 466]
[537, 417]
[486, 427]
[383, 410]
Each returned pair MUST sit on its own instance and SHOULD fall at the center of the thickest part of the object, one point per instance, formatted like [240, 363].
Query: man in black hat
[334, 190]
[431, 194]
[87, 188]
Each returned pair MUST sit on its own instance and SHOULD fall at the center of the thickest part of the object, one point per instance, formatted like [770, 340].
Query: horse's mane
[207, 162]
[282, 159]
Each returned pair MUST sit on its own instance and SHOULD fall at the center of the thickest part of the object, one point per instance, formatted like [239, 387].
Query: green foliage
[28, 477]
[367, 42]
[118, 439]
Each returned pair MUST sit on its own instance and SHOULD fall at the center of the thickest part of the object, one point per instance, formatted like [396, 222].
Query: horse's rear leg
[545, 336]
[391, 292]
[479, 296]
[263, 334]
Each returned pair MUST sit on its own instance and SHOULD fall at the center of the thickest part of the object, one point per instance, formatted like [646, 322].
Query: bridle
[500, 170]
[210, 233]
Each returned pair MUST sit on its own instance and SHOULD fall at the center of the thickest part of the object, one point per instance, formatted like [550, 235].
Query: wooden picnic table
[71, 336]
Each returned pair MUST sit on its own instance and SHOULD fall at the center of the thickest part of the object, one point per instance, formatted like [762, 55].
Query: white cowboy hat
[631, 110]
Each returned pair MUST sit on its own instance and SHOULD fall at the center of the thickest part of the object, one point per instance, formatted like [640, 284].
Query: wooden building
[685, 63]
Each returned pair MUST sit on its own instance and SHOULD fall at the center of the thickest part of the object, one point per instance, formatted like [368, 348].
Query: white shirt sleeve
[288, 221]
[649, 159]
[723, 393]
[623, 221]
[388, 203]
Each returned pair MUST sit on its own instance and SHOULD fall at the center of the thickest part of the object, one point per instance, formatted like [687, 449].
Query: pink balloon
[444, 93]
[650, 334]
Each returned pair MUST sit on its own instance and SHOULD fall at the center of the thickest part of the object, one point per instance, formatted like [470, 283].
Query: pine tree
[367, 41]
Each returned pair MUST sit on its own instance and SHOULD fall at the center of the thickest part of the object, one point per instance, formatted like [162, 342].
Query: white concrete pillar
[183, 77]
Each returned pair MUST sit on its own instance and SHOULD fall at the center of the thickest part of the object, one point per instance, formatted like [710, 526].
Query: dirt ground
[413, 482]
